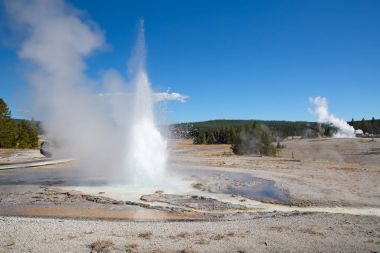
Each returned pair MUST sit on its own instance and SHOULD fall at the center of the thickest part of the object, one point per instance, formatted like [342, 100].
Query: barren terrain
[317, 195]
[327, 172]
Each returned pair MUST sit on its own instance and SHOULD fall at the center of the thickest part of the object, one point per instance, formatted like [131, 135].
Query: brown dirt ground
[331, 172]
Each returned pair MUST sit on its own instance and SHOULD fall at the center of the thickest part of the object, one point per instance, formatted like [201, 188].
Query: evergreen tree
[373, 121]
[5, 113]
[210, 139]
[16, 134]
[363, 126]
[203, 139]
[27, 135]
[7, 129]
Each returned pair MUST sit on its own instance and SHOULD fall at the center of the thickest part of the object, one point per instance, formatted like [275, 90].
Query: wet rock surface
[241, 184]
[196, 202]
[53, 202]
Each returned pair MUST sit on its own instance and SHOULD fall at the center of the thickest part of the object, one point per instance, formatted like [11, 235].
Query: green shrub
[254, 139]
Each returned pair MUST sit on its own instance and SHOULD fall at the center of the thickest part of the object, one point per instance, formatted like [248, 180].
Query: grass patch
[132, 248]
[217, 237]
[311, 231]
[202, 241]
[145, 235]
[187, 250]
[101, 246]
[183, 235]
[279, 228]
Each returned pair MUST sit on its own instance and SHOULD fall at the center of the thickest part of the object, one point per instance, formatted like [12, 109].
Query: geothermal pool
[184, 182]
[188, 193]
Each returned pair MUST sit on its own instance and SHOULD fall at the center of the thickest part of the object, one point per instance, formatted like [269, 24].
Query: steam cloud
[57, 42]
[322, 111]
[58, 38]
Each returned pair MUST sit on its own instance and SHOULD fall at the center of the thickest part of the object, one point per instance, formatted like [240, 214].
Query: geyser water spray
[146, 153]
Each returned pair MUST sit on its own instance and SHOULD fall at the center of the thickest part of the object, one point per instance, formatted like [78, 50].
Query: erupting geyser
[321, 110]
[146, 148]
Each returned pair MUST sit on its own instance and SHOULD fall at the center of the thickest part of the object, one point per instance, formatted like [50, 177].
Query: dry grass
[187, 250]
[231, 234]
[311, 231]
[159, 251]
[202, 241]
[10, 243]
[133, 245]
[132, 248]
[279, 228]
[217, 237]
[198, 232]
[183, 235]
[101, 246]
[145, 235]
[71, 237]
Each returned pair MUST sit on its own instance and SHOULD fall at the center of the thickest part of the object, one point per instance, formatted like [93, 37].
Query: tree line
[249, 136]
[371, 126]
[223, 128]
[16, 133]
[280, 129]
[253, 138]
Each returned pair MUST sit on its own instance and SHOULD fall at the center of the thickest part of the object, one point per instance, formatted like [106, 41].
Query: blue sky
[236, 59]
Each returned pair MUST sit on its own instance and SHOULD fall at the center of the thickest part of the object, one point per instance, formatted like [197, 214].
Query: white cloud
[157, 96]
[167, 96]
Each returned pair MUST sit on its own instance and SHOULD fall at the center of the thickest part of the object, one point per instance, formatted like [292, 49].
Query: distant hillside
[280, 129]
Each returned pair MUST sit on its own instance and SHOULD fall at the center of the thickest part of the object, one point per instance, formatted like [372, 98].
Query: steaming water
[146, 152]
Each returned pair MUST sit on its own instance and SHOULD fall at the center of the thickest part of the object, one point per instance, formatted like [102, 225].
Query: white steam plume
[321, 110]
[56, 44]
[95, 131]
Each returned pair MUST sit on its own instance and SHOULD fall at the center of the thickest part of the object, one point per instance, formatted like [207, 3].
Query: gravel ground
[17, 155]
[295, 232]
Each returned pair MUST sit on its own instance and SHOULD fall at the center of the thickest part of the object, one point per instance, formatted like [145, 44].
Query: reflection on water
[49, 177]
[235, 183]
[241, 184]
